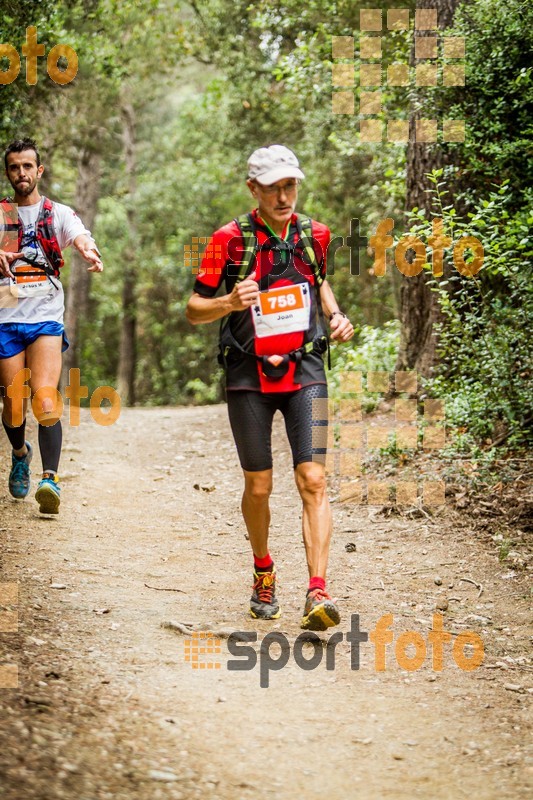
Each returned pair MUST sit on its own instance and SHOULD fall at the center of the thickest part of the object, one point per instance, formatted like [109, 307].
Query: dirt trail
[107, 705]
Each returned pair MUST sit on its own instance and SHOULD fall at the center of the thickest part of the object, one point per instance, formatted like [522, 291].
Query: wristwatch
[337, 312]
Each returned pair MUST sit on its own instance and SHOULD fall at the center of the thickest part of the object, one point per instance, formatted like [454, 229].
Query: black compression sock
[16, 436]
[50, 441]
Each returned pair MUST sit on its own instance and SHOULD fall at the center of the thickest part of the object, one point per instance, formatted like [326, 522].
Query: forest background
[149, 144]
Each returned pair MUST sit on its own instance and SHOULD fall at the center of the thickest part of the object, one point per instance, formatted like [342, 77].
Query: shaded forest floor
[108, 707]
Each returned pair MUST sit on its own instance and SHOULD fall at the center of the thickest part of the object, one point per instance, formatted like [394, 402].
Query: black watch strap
[336, 312]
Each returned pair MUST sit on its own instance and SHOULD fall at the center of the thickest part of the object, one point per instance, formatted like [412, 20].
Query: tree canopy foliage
[171, 98]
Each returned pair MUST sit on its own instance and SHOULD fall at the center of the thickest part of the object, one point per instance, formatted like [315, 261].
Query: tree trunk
[77, 296]
[418, 305]
[128, 349]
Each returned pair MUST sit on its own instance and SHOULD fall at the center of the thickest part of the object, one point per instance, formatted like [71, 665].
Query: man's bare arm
[340, 326]
[88, 250]
[209, 309]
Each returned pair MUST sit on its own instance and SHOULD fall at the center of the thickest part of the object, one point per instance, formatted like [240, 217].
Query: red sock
[264, 563]
[317, 583]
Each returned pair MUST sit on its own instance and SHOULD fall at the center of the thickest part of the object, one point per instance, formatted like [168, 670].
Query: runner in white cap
[277, 305]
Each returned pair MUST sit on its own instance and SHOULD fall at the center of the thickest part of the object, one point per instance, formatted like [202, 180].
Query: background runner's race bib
[284, 310]
[36, 285]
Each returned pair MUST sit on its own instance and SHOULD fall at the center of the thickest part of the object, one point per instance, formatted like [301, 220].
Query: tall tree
[418, 305]
[77, 299]
[127, 352]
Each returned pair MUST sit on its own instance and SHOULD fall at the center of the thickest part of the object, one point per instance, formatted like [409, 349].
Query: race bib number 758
[284, 310]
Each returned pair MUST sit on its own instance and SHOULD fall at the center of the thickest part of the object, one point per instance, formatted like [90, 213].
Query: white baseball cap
[270, 164]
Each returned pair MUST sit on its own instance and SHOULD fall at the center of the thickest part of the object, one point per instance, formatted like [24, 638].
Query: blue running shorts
[16, 336]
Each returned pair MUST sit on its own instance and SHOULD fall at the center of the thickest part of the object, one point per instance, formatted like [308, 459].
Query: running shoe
[19, 477]
[263, 603]
[320, 611]
[48, 494]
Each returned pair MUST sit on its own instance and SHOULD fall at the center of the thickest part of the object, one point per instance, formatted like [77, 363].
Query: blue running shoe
[19, 477]
[48, 494]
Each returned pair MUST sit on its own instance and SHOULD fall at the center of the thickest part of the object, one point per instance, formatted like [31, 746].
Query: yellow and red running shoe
[263, 603]
[320, 611]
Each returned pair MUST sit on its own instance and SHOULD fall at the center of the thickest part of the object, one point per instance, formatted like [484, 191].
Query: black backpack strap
[246, 226]
[305, 234]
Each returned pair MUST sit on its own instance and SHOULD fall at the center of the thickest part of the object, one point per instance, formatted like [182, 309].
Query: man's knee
[258, 487]
[311, 479]
[47, 405]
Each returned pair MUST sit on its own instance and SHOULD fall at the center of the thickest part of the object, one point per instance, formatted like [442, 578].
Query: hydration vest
[304, 244]
[45, 236]
[246, 226]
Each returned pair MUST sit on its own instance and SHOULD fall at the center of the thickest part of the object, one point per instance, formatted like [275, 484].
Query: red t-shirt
[283, 278]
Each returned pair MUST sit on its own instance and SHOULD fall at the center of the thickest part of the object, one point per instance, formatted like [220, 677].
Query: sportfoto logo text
[410, 649]
[32, 51]
[410, 251]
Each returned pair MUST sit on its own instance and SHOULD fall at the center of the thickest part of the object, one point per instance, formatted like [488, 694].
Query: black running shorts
[251, 415]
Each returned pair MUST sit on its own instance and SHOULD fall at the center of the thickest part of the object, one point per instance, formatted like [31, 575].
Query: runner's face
[22, 172]
[277, 201]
